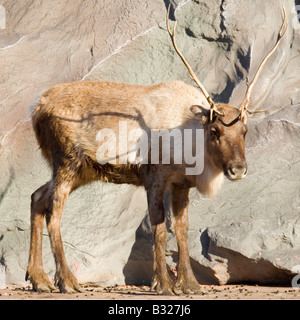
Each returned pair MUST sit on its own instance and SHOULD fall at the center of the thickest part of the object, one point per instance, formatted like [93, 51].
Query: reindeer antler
[244, 105]
[192, 74]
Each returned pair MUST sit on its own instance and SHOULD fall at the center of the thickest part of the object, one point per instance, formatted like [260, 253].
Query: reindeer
[66, 121]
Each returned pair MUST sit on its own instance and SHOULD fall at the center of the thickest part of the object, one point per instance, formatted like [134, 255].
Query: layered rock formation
[251, 231]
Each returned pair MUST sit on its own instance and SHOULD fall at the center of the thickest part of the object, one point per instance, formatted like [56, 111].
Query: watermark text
[155, 146]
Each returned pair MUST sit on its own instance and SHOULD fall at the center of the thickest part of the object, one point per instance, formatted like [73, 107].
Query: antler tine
[192, 74]
[281, 34]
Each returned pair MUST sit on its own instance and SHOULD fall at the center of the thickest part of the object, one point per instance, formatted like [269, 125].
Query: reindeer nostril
[232, 171]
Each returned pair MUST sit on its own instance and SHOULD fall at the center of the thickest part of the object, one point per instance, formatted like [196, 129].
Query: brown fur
[66, 121]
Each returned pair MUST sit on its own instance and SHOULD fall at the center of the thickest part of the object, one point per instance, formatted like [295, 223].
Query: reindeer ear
[202, 114]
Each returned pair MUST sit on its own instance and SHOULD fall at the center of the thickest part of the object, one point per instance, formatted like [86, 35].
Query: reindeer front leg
[161, 281]
[186, 281]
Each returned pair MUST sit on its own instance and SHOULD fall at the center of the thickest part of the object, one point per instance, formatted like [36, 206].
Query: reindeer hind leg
[63, 184]
[35, 270]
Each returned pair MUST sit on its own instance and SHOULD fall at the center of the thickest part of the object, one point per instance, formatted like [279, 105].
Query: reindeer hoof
[189, 287]
[164, 287]
[39, 280]
[67, 282]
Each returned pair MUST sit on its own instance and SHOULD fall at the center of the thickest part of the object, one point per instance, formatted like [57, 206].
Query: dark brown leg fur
[49, 201]
[35, 271]
[161, 282]
[186, 281]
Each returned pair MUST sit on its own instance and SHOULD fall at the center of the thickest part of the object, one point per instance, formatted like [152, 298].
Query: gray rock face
[251, 231]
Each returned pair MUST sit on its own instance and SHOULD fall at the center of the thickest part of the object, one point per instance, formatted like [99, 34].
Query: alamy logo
[2, 18]
[138, 146]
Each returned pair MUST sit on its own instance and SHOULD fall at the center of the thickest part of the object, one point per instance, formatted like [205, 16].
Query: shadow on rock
[139, 267]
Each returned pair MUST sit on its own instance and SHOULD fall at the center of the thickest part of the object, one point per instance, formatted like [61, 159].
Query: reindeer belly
[118, 174]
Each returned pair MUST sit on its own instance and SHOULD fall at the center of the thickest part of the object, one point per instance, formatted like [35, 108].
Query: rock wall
[251, 231]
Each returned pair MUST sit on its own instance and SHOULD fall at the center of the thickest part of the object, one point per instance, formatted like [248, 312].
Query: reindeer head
[225, 125]
[224, 139]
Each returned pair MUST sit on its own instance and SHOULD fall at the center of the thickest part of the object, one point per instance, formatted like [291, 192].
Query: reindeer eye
[214, 133]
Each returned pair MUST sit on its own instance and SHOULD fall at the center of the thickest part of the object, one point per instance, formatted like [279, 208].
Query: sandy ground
[226, 292]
